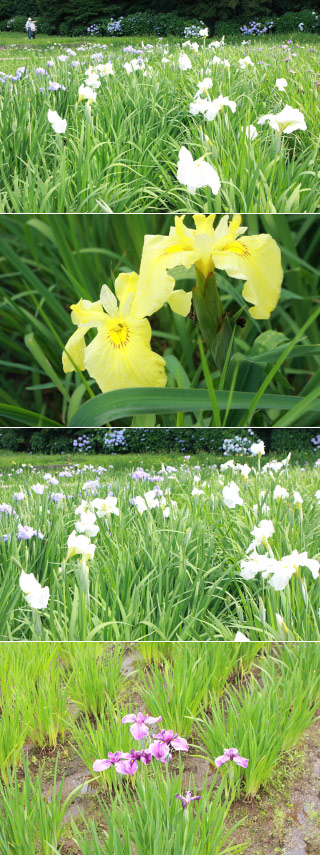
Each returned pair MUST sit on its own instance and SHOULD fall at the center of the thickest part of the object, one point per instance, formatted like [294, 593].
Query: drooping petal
[139, 731]
[242, 762]
[86, 312]
[75, 348]
[127, 767]
[222, 759]
[257, 259]
[129, 717]
[180, 744]
[27, 582]
[102, 764]
[161, 253]
[150, 720]
[180, 301]
[159, 750]
[121, 357]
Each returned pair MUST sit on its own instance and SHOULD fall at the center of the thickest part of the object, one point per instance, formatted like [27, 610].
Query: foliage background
[76, 15]
[144, 440]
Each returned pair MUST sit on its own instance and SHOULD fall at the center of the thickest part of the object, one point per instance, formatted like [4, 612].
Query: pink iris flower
[105, 763]
[231, 755]
[128, 766]
[139, 729]
[124, 762]
[160, 748]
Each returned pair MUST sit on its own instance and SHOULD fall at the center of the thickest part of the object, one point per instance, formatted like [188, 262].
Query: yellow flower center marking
[238, 249]
[119, 335]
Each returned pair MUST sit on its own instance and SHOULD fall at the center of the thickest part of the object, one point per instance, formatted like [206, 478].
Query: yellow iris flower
[120, 355]
[256, 259]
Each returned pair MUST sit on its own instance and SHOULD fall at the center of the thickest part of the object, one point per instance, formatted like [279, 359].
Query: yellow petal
[109, 301]
[180, 301]
[86, 312]
[156, 286]
[120, 356]
[75, 347]
[126, 286]
[258, 260]
[204, 223]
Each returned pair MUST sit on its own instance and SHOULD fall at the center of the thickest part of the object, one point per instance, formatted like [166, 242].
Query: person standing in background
[31, 28]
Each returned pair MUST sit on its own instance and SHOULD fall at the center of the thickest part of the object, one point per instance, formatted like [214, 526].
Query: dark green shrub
[13, 440]
[69, 28]
[284, 440]
[228, 28]
[17, 24]
[188, 441]
[289, 22]
[148, 23]
[50, 441]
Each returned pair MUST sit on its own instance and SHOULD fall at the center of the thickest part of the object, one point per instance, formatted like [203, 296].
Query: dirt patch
[304, 835]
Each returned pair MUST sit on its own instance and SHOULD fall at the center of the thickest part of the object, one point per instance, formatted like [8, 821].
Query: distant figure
[31, 28]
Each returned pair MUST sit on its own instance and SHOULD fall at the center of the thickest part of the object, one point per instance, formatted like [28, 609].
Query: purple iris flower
[25, 532]
[53, 87]
[38, 488]
[139, 729]
[105, 763]
[187, 798]
[145, 756]
[5, 509]
[139, 472]
[162, 741]
[231, 755]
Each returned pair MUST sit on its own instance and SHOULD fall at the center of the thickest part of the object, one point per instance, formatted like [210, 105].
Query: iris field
[269, 375]
[160, 549]
[117, 149]
[63, 706]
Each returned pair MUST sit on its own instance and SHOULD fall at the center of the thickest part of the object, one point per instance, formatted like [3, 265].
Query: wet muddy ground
[284, 818]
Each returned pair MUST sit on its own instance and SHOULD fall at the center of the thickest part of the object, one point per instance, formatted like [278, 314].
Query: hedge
[137, 440]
